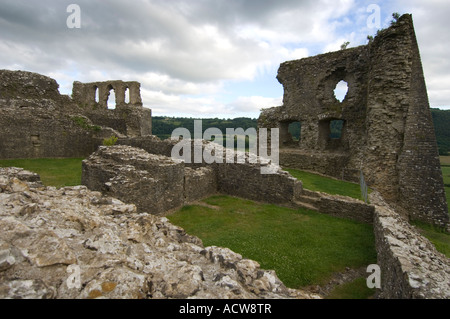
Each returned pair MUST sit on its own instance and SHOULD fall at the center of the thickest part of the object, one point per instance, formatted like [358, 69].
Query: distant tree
[395, 17]
[345, 45]
[370, 38]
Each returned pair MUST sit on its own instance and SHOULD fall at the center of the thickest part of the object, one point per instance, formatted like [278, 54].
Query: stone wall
[154, 183]
[127, 117]
[37, 121]
[335, 205]
[34, 121]
[199, 183]
[38, 134]
[387, 126]
[97, 93]
[158, 184]
[411, 267]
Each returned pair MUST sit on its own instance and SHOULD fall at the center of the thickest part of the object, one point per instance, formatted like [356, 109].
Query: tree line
[163, 126]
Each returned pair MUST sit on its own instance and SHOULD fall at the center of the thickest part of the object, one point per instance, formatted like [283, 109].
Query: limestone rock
[76, 243]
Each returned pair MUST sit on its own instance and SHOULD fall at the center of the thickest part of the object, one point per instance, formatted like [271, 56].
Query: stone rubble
[75, 243]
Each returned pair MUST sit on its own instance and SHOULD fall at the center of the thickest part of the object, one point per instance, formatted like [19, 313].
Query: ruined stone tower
[128, 117]
[387, 129]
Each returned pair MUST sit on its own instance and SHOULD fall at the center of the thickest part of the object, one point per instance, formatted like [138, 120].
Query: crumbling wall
[336, 205]
[37, 121]
[158, 184]
[97, 93]
[154, 183]
[387, 126]
[199, 183]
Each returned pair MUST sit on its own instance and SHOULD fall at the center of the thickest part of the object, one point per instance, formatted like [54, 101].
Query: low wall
[338, 206]
[411, 267]
[331, 164]
[246, 180]
[154, 183]
[157, 183]
[199, 183]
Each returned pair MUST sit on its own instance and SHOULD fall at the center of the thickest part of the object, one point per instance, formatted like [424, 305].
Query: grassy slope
[315, 182]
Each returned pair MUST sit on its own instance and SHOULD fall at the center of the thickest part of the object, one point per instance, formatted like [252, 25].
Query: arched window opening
[341, 90]
[127, 96]
[111, 102]
[96, 95]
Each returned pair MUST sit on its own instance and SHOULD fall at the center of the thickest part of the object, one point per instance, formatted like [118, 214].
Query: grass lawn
[303, 247]
[319, 183]
[54, 172]
[446, 175]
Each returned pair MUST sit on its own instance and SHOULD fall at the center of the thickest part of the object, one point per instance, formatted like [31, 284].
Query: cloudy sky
[205, 58]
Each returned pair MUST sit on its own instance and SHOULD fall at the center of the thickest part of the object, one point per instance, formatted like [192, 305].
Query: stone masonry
[37, 121]
[411, 267]
[158, 184]
[387, 126]
[73, 243]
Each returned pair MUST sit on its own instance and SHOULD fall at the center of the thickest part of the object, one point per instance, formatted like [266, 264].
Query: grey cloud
[131, 38]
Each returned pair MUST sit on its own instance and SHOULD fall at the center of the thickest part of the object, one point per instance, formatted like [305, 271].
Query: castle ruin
[387, 129]
[387, 134]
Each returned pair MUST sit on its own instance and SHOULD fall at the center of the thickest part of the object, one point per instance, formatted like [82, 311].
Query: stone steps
[308, 199]
[305, 205]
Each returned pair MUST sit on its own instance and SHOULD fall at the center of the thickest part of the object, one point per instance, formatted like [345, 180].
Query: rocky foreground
[76, 243]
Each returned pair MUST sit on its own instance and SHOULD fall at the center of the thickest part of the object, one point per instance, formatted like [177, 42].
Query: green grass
[438, 237]
[356, 289]
[446, 175]
[54, 172]
[319, 183]
[303, 247]
[445, 160]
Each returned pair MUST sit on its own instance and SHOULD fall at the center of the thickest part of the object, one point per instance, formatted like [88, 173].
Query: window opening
[127, 95]
[111, 102]
[341, 90]
[295, 128]
[336, 127]
[96, 94]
